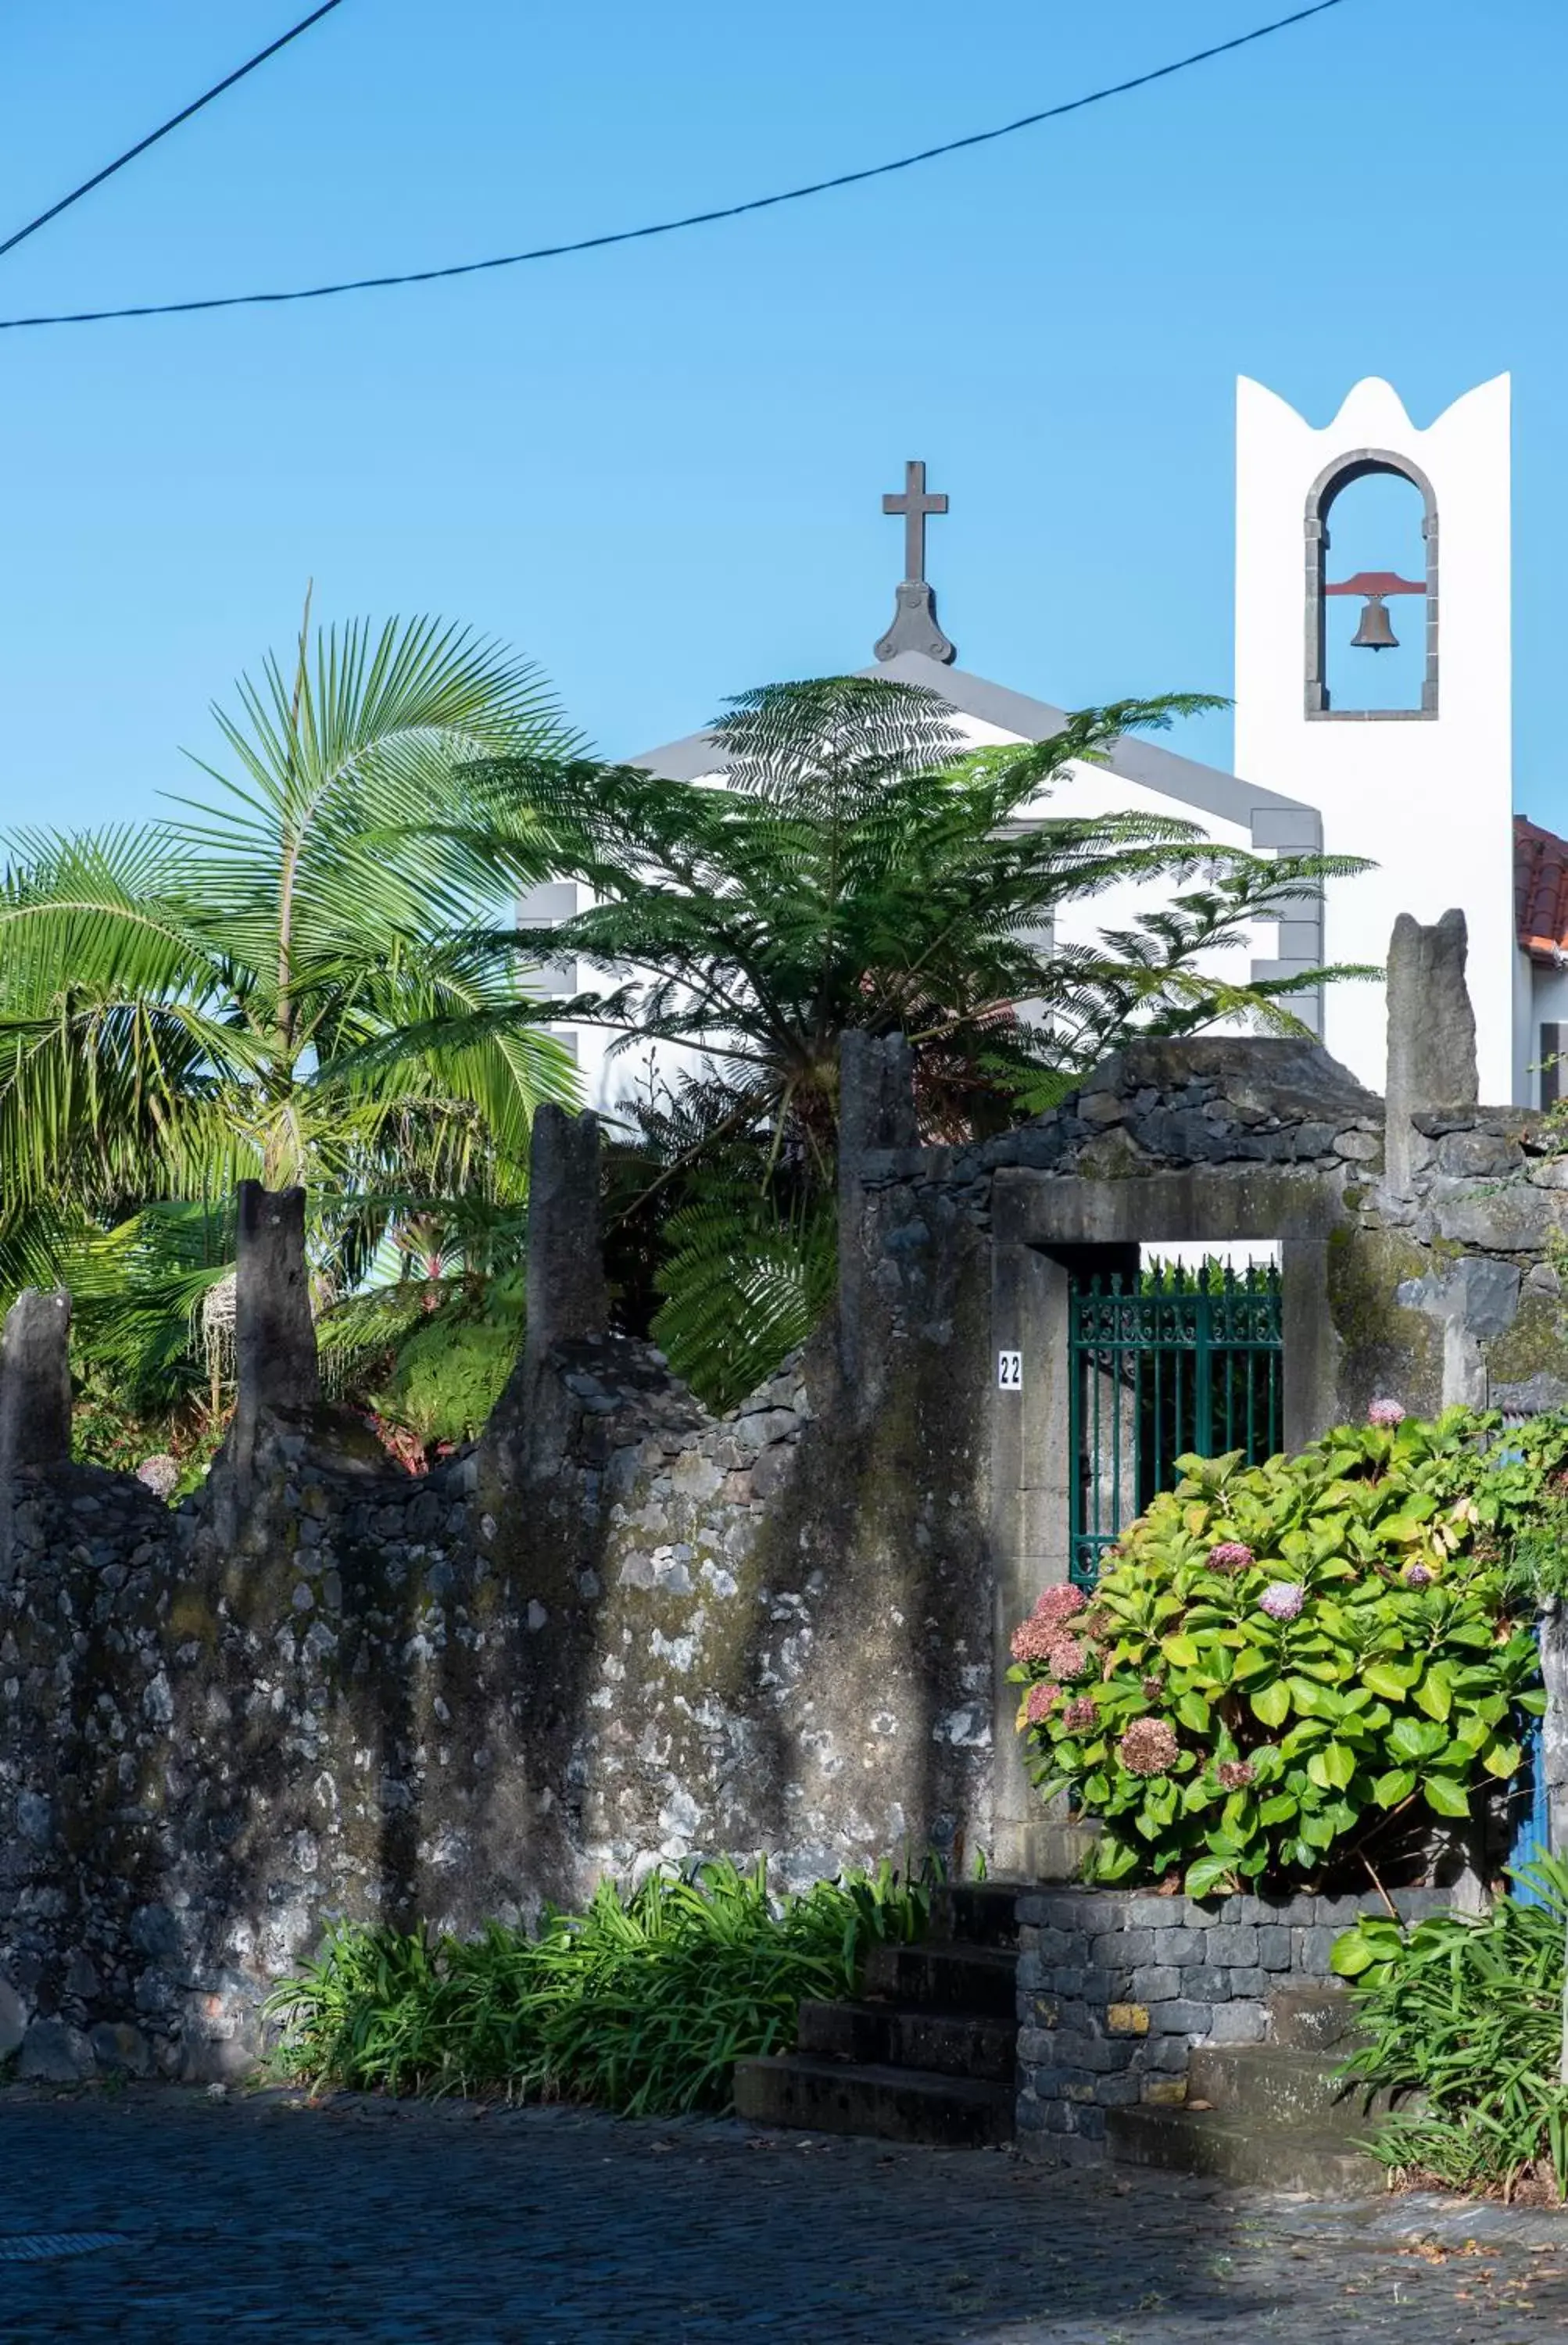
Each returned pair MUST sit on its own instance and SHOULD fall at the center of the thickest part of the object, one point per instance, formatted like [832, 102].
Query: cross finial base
[914, 626]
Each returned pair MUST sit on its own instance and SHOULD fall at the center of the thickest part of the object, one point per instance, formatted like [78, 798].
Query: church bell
[1376, 631]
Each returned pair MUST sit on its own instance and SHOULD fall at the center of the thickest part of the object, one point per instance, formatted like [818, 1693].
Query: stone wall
[1116, 1986]
[622, 1628]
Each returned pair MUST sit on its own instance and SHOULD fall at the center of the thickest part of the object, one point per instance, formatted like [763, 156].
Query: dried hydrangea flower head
[1037, 1709]
[1148, 1747]
[1418, 1576]
[1067, 1658]
[1385, 1413]
[1080, 1714]
[1062, 1602]
[1230, 1555]
[1282, 1599]
[1235, 1774]
[1033, 1639]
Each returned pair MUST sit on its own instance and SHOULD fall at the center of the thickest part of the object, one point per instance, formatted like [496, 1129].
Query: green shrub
[643, 2003]
[448, 1374]
[1286, 1664]
[1468, 2015]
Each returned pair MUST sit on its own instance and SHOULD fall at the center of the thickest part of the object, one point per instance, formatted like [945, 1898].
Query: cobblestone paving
[252, 2218]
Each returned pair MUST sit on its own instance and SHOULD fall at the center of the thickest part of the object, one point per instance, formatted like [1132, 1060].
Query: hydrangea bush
[1287, 1670]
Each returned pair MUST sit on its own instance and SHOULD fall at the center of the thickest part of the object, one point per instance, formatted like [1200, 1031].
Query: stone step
[950, 2044]
[908, 2105]
[980, 1981]
[1276, 2086]
[1234, 2148]
[1310, 2018]
[977, 1913]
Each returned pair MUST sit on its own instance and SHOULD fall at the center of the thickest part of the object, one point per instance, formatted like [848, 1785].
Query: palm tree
[857, 868]
[187, 1003]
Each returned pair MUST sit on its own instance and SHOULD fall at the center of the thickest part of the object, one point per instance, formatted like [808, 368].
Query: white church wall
[1546, 1004]
[1427, 796]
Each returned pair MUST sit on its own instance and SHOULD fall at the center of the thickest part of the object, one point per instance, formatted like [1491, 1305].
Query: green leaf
[1210, 1873]
[1396, 1785]
[1392, 1683]
[1278, 1809]
[1272, 1704]
[1502, 1759]
[1412, 1738]
[1181, 1651]
[1333, 1767]
[1195, 1712]
[1445, 1796]
[1435, 1692]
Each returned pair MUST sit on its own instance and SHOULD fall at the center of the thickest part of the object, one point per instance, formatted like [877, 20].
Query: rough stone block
[1274, 1946]
[1310, 1950]
[1037, 2047]
[1180, 1946]
[1128, 2019]
[1239, 2023]
[54, 2052]
[1205, 1983]
[1233, 1944]
[1119, 2092]
[1157, 1983]
[1184, 2017]
[1165, 2092]
[1122, 1949]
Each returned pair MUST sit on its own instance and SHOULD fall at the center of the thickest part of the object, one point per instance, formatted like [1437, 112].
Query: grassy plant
[1468, 2015]
[642, 2004]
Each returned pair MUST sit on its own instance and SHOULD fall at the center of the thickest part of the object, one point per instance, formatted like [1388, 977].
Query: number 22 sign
[1010, 1371]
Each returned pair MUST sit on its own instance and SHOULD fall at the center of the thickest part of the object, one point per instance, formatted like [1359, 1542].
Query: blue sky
[657, 471]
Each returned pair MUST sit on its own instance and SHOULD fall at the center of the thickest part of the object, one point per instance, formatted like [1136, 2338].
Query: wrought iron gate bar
[1180, 1361]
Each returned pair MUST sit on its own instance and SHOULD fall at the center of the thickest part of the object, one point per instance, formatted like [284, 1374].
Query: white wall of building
[1430, 799]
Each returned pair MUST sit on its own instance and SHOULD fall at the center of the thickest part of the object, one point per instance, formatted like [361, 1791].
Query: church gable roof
[1539, 890]
[1273, 820]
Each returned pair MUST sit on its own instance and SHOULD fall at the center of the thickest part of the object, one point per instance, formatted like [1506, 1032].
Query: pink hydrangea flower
[1080, 1715]
[1059, 1602]
[1235, 1774]
[1385, 1413]
[1230, 1555]
[1153, 1689]
[1282, 1599]
[1418, 1576]
[1037, 1709]
[1148, 1747]
[1032, 1640]
[1067, 1658]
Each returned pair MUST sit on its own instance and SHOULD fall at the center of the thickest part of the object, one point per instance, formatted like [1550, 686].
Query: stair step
[1236, 2149]
[978, 1913]
[908, 2104]
[950, 2044]
[1311, 2018]
[979, 1980]
[1274, 2085]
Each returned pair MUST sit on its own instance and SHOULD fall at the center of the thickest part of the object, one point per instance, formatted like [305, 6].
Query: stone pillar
[566, 1296]
[1431, 1035]
[35, 1383]
[274, 1335]
[876, 1110]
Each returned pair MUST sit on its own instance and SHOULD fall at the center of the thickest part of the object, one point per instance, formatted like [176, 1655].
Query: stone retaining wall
[1116, 1987]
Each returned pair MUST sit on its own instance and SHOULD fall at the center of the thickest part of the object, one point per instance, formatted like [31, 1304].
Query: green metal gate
[1174, 1361]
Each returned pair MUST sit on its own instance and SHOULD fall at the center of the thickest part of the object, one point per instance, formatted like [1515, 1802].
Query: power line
[164, 129]
[671, 227]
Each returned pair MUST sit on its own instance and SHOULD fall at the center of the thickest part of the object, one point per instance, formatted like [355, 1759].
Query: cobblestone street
[253, 2218]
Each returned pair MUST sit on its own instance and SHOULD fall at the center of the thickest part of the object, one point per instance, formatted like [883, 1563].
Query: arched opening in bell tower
[1371, 589]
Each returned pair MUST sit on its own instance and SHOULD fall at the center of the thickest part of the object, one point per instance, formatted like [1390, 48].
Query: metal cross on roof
[914, 504]
[914, 626]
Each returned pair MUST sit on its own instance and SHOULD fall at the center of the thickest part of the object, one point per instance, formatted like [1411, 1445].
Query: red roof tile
[1539, 890]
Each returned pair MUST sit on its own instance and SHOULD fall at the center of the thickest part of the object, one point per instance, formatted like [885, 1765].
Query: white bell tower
[1424, 788]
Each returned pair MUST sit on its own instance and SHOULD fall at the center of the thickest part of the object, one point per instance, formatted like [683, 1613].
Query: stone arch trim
[1355, 464]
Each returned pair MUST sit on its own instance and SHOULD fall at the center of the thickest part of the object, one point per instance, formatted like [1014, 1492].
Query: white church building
[1372, 717]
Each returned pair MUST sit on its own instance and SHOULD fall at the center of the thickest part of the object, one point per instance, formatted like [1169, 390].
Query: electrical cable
[669, 226]
[162, 132]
